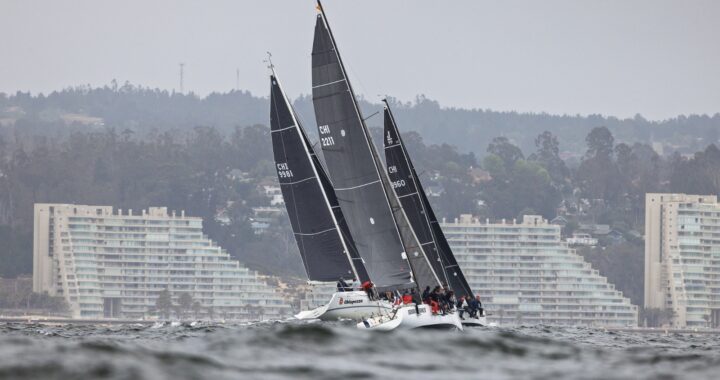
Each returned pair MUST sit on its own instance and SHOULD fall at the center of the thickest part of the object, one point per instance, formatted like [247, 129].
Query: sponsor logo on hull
[342, 301]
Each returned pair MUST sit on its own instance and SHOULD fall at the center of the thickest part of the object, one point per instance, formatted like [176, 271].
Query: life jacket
[407, 299]
[366, 285]
[434, 306]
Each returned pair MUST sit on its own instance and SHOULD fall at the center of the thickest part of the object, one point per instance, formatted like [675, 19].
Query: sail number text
[398, 183]
[284, 170]
[326, 140]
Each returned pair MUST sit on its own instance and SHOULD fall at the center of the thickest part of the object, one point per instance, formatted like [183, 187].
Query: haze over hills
[145, 112]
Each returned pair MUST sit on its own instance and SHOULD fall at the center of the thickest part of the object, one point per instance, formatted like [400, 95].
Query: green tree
[196, 309]
[600, 143]
[164, 303]
[598, 175]
[517, 186]
[548, 155]
[185, 303]
[503, 148]
[697, 175]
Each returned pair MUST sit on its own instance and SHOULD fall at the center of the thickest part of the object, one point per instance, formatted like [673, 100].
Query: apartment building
[108, 263]
[526, 274]
[682, 258]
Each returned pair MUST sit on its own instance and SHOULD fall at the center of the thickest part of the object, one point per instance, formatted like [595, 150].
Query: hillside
[147, 112]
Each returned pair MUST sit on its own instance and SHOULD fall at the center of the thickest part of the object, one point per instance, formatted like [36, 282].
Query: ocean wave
[322, 350]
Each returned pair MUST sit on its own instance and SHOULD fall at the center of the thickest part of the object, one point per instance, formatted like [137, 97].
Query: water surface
[319, 350]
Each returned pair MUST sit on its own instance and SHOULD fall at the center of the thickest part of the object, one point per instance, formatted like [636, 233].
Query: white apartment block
[682, 258]
[524, 273]
[109, 264]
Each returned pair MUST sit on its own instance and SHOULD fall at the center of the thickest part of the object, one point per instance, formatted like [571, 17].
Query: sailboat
[326, 246]
[387, 243]
[409, 190]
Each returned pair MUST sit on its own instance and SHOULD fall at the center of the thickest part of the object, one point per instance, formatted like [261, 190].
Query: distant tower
[182, 73]
[237, 79]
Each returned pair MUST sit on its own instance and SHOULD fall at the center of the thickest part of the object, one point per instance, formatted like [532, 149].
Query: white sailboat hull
[347, 305]
[411, 317]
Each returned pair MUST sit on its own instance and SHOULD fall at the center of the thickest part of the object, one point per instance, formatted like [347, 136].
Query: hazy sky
[657, 58]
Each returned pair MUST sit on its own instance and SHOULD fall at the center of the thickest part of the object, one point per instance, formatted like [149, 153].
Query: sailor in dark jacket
[426, 295]
[343, 286]
[475, 306]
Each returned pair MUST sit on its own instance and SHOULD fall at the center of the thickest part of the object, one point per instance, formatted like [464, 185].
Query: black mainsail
[325, 244]
[382, 234]
[418, 209]
[402, 179]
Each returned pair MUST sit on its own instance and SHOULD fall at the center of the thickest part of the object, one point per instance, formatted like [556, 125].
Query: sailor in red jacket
[368, 288]
[407, 298]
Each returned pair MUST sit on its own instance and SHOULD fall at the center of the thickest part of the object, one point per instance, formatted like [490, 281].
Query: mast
[412, 195]
[326, 250]
[383, 235]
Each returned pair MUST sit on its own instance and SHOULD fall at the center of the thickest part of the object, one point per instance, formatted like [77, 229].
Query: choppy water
[336, 351]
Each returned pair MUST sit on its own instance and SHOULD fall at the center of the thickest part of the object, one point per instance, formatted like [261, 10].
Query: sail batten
[365, 196]
[326, 247]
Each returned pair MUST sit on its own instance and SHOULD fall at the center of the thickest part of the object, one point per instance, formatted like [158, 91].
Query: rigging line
[392, 146]
[376, 112]
[270, 65]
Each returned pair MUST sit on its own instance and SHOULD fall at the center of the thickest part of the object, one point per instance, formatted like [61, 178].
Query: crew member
[368, 288]
[474, 306]
[480, 309]
[462, 306]
[426, 295]
[407, 298]
[416, 299]
[343, 286]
